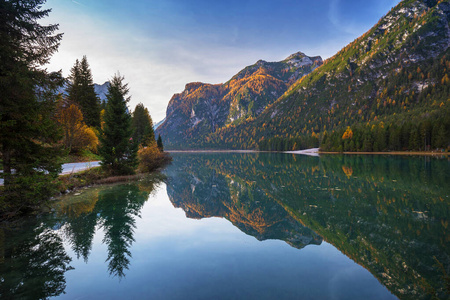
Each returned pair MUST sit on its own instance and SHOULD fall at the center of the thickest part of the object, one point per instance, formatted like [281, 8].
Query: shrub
[151, 158]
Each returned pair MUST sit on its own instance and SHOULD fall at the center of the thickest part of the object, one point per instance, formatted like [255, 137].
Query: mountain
[102, 90]
[158, 124]
[387, 90]
[202, 109]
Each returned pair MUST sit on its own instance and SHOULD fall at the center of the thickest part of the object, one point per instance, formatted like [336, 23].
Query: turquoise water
[244, 226]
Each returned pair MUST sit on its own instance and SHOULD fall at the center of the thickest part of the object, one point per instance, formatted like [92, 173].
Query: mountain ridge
[202, 108]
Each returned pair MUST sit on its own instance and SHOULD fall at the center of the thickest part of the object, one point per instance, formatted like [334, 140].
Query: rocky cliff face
[202, 109]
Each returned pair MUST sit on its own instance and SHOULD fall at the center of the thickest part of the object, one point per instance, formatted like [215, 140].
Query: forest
[47, 120]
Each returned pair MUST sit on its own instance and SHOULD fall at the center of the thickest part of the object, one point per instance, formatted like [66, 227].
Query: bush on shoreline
[151, 158]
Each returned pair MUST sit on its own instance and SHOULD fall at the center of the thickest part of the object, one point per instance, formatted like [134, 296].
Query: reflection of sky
[161, 45]
[178, 258]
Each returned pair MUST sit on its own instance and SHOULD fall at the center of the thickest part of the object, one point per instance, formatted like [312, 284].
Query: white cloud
[155, 68]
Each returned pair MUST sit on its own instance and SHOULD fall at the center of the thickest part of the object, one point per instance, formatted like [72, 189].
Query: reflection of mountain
[202, 193]
[388, 214]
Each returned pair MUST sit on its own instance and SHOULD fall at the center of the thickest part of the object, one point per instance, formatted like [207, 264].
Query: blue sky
[160, 45]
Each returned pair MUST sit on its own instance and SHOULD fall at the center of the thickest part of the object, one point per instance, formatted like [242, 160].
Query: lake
[244, 226]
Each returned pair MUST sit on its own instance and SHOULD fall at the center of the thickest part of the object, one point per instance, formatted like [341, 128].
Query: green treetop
[143, 126]
[81, 91]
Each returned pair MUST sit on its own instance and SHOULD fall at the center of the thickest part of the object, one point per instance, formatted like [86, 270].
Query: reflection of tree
[114, 208]
[118, 208]
[80, 232]
[80, 221]
[34, 265]
[33, 260]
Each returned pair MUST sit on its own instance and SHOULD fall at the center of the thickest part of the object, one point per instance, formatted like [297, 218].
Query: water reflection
[114, 210]
[388, 214]
[33, 261]
[34, 267]
[204, 192]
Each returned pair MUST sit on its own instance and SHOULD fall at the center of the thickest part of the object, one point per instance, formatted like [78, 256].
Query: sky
[161, 45]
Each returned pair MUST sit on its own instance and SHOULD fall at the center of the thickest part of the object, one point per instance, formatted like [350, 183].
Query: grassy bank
[95, 176]
[83, 156]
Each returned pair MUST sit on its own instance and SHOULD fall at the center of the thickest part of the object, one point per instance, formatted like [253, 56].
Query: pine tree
[160, 143]
[117, 147]
[27, 103]
[142, 124]
[81, 91]
[74, 83]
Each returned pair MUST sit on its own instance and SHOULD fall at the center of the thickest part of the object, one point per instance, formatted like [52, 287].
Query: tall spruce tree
[27, 103]
[81, 91]
[159, 143]
[142, 123]
[117, 146]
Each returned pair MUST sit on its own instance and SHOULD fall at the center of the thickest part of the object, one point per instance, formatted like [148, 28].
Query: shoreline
[406, 153]
[316, 151]
[213, 151]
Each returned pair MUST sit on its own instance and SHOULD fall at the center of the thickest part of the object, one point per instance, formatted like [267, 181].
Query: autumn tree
[117, 147]
[77, 135]
[81, 91]
[27, 104]
[142, 125]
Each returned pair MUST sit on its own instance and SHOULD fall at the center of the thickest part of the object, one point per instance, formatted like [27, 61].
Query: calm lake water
[244, 226]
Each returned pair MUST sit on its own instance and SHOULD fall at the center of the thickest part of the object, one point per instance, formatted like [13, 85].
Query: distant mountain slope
[397, 72]
[158, 124]
[101, 90]
[202, 109]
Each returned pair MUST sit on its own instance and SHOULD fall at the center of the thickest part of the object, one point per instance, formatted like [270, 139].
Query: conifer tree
[81, 91]
[142, 123]
[27, 103]
[160, 143]
[117, 146]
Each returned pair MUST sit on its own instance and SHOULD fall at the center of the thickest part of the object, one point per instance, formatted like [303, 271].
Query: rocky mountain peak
[203, 108]
[298, 55]
[192, 86]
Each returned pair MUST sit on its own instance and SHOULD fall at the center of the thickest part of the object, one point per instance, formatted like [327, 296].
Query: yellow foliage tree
[77, 135]
[348, 134]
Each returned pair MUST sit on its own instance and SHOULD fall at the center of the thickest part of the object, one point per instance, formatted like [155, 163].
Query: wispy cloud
[340, 23]
[77, 3]
[159, 46]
